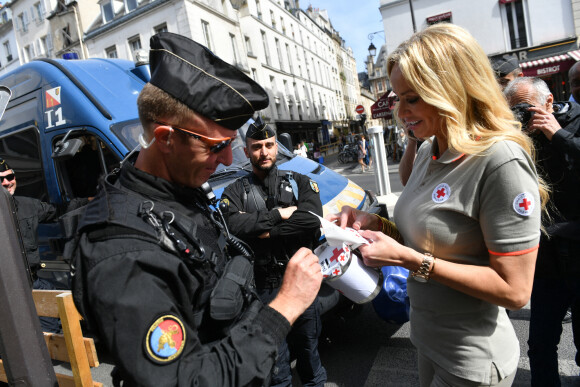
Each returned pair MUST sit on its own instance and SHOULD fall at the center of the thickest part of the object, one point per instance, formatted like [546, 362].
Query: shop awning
[551, 60]
[575, 55]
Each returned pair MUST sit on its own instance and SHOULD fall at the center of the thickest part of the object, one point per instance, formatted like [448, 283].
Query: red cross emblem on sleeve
[524, 204]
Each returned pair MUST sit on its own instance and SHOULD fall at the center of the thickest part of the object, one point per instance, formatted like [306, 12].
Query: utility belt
[268, 275]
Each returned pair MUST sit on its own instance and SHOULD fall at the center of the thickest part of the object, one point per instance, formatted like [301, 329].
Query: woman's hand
[385, 251]
[356, 219]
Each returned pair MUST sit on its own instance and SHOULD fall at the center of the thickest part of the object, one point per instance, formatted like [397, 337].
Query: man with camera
[272, 210]
[555, 129]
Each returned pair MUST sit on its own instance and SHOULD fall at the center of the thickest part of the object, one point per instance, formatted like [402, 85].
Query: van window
[128, 132]
[21, 150]
[79, 175]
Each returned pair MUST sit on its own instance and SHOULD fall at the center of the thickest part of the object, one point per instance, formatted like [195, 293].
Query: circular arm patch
[524, 204]
[165, 339]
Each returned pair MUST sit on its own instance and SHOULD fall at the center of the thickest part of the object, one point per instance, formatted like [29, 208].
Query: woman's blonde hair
[446, 66]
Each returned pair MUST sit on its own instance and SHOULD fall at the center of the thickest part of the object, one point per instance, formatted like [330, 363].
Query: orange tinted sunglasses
[215, 144]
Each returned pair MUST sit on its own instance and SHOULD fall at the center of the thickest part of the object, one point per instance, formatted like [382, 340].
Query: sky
[354, 21]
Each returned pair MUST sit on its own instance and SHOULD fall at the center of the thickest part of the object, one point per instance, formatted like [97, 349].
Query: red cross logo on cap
[441, 193]
[524, 204]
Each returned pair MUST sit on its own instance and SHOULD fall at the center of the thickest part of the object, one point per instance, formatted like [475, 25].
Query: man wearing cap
[506, 68]
[271, 210]
[153, 273]
[30, 212]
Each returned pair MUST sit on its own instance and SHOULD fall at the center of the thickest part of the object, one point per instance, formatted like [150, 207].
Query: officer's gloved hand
[300, 285]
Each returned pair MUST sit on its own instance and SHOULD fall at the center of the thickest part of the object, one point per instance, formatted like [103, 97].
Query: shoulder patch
[441, 193]
[524, 204]
[314, 186]
[165, 339]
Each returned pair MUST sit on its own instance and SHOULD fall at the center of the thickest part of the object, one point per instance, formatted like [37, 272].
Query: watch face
[420, 278]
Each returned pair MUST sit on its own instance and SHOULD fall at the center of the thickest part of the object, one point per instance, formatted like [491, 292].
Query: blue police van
[69, 122]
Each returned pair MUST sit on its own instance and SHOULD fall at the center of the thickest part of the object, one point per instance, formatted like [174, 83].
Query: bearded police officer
[156, 273]
[271, 210]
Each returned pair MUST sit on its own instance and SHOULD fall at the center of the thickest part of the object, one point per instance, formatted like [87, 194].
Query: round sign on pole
[360, 109]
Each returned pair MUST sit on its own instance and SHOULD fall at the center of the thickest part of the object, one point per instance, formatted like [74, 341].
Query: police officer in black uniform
[167, 289]
[272, 210]
[30, 212]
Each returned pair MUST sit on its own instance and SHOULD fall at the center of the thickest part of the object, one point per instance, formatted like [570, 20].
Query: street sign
[360, 109]
[382, 108]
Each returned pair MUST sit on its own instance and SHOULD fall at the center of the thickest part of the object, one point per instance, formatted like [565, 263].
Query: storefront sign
[548, 69]
[382, 108]
[438, 18]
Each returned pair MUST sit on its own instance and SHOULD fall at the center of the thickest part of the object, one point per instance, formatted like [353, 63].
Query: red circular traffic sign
[360, 109]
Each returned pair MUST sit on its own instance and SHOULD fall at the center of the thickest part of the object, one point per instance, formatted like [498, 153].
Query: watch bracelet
[423, 270]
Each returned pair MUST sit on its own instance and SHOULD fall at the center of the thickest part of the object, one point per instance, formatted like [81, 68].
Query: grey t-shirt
[460, 208]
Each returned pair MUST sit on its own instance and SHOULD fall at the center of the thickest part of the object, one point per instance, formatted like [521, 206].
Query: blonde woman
[469, 214]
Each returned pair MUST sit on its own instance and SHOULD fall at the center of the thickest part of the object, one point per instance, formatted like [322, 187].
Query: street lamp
[372, 50]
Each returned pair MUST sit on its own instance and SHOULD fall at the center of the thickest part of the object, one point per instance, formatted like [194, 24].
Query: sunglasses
[215, 145]
[8, 177]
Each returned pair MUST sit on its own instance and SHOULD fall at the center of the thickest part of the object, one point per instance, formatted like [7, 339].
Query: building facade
[543, 34]
[9, 57]
[295, 54]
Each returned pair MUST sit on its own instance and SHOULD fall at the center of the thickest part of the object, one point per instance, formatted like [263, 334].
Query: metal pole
[380, 158]
[412, 16]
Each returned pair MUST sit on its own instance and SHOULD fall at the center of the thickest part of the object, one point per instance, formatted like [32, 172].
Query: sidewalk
[331, 161]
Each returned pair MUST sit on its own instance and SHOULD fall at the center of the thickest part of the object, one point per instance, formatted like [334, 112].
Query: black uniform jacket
[30, 213]
[144, 298]
[302, 229]
[559, 163]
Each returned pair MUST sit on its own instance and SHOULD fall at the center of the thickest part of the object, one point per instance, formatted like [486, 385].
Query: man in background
[271, 210]
[574, 81]
[30, 212]
[506, 68]
[555, 130]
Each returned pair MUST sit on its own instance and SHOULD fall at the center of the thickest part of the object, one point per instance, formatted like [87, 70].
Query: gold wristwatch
[422, 274]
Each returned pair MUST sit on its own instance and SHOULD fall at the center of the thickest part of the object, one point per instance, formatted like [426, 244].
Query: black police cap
[504, 65]
[259, 130]
[209, 86]
[4, 165]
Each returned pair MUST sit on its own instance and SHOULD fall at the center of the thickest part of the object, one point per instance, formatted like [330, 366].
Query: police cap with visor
[4, 165]
[259, 130]
[193, 75]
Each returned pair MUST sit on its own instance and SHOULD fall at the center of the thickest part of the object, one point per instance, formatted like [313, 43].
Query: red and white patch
[524, 204]
[52, 97]
[441, 193]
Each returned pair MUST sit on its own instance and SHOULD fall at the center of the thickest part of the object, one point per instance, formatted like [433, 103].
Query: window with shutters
[514, 20]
